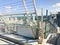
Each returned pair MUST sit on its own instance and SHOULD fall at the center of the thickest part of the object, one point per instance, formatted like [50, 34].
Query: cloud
[1, 14]
[56, 5]
[8, 8]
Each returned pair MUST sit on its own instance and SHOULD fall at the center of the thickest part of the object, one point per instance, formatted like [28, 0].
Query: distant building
[58, 18]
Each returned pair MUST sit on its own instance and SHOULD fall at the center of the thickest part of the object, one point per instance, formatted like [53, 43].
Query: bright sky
[14, 6]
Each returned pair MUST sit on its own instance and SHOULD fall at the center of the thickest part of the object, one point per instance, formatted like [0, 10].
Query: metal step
[17, 39]
[5, 42]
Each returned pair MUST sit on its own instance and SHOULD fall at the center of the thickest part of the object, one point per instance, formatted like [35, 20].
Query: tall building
[58, 19]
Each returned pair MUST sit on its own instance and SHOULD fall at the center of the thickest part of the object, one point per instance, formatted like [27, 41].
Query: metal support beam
[35, 9]
[27, 13]
[40, 29]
